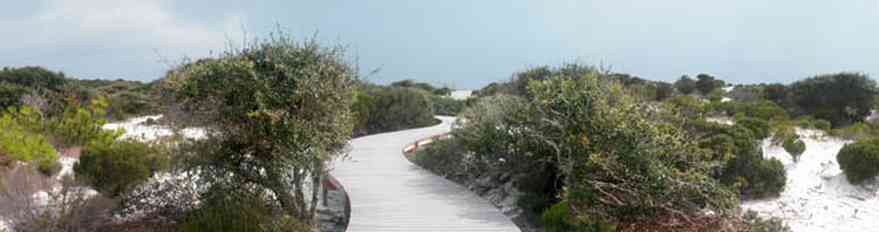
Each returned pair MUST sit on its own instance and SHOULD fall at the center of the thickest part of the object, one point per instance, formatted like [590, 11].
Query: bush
[759, 128]
[764, 110]
[241, 214]
[618, 166]
[842, 98]
[10, 94]
[795, 147]
[822, 124]
[447, 106]
[114, 168]
[856, 131]
[689, 106]
[442, 156]
[764, 179]
[706, 83]
[748, 171]
[19, 141]
[33, 78]
[686, 85]
[127, 104]
[754, 223]
[394, 108]
[487, 130]
[81, 125]
[276, 112]
[49, 168]
[860, 160]
[558, 218]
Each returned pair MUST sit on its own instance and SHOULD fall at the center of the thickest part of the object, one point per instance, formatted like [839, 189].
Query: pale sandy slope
[817, 196]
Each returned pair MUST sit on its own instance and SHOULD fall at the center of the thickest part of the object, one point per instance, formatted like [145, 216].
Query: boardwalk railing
[425, 141]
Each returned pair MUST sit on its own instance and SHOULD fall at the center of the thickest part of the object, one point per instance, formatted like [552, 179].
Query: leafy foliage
[743, 165]
[443, 91]
[860, 160]
[247, 213]
[760, 109]
[381, 109]
[759, 128]
[11, 94]
[757, 224]
[447, 106]
[115, 167]
[706, 83]
[275, 111]
[496, 128]
[442, 156]
[795, 147]
[618, 165]
[688, 106]
[857, 131]
[686, 85]
[842, 98]
[33, 78]
[557, 218]
[79, 126]
[21, 140]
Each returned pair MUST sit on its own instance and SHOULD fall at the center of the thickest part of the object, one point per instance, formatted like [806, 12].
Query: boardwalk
[388, 193]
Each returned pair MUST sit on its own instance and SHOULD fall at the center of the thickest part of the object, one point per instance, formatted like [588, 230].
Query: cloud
[133, 29]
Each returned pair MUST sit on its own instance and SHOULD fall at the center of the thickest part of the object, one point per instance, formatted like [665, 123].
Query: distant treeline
[53, 91]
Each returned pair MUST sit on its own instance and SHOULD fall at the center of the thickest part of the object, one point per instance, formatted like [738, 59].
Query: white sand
[721, 120]
[817, 196]
[461, 94]
[135, 128]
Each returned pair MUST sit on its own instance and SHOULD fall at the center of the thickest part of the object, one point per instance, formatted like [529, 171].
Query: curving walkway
[388, 193]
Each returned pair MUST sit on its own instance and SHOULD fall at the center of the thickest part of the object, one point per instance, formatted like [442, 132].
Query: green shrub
[485, 130]
[686, 85]
[21, 143]
[856, 131]
[558, 218]
[765, 178]
[860, 160]
[822, 124]
[754, 223]
[447, 106]
[618, 165]
[394, 108]
[759, 128]
[841, 98]
[126, 104]
[706, 83]
[239, 213]
[754, 176]
[761, 109]
[113, 168]
[79, 126]
[795, 147]
[49, 168]
[10, 94]
[277, 111]
[442, 156]
[689, 106]
[33, 78]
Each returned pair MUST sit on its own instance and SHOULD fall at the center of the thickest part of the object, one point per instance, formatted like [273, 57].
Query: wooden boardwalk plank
[388, 193]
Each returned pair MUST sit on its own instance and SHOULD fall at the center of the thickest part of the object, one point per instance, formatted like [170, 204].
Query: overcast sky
[461, 43]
